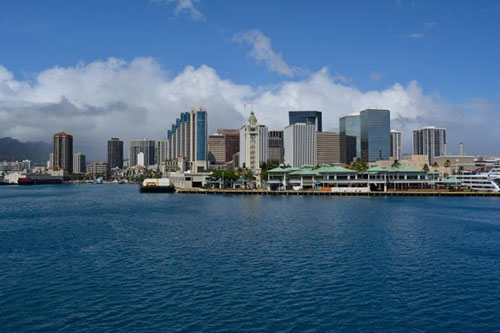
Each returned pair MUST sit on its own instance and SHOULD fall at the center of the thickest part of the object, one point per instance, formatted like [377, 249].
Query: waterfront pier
[426, 193]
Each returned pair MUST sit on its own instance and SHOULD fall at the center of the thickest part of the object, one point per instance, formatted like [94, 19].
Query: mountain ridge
[14, 150]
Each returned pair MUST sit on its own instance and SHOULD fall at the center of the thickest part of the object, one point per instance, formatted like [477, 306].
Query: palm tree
[425, 168]
[359, 166]
[248, 174]
[396, 164]
[461, 169]
[447, 164]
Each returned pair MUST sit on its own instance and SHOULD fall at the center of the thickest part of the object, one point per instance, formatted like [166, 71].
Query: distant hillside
[12, 149]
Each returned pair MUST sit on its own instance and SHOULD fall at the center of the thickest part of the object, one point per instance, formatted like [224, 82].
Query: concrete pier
[429, 193]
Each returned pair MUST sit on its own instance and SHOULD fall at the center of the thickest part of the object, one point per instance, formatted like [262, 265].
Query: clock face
[252, 121]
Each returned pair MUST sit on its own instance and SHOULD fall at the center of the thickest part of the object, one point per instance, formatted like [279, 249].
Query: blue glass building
[375, 135]
[201, 135]
[351, 126]
[188, 139]
[306, 117]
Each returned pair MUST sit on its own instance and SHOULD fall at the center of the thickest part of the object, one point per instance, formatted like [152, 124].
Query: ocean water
[105, 258]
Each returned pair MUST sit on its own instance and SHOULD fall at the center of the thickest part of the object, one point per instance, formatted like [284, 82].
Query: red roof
[62, 134]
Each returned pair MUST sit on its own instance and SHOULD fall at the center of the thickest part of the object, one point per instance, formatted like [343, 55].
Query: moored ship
[480, 181]
[156, 185]
[39, 179]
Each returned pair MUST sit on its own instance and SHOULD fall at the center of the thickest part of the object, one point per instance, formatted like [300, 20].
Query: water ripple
[107, 259]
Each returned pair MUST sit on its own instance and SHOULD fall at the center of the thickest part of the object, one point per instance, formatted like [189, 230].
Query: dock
[324, 193]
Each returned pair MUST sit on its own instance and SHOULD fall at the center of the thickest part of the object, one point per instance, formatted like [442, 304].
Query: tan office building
[217, 149]
[330, 147]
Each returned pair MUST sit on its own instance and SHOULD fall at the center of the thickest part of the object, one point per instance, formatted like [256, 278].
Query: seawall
[321, 193]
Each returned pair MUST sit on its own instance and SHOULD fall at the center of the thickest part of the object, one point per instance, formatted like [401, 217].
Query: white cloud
[262, 51]
[417, 35]
[184, 6]
[137, 99]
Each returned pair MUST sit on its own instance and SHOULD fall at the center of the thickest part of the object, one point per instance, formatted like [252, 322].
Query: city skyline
[428, 68]
[174, 146]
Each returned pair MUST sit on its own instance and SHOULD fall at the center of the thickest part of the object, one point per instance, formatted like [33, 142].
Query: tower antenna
[251, 105]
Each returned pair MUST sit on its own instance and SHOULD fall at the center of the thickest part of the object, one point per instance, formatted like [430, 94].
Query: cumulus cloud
[262, 51]
[137, 99]
[181, 6]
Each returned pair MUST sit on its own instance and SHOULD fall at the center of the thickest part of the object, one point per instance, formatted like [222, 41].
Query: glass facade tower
[306, 117]
[375, 135]
[351, 126]
[188, 139]
[201, 135]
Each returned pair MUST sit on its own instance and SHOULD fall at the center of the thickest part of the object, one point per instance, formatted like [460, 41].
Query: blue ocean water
[105, 258]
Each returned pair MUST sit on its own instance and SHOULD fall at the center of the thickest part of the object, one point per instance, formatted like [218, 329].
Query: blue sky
[454, 49]
[76, 65]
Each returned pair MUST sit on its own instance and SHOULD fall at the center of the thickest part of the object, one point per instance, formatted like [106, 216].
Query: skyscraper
[232, 138]
[63, 152]
[217, 149]
[115, 153]
[396, 145]
[50, 162]
[275, 147]
[264, 144]
[199, 132]
[79, 164]
[430, 141]
[250, 144]
[161, 151]
[300, 144]
[375, 135]
[188, 138]
[331, 148]
[351, 126]
[145, 146]
[306, 117]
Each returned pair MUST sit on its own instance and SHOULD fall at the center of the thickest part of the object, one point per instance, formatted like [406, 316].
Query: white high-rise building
[79, 165]
[396, 152]
[430, 141]
[140, 159]
[50, 162]
[250, 144]
[300, 145]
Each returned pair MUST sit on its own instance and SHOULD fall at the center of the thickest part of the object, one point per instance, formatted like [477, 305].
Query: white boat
[157, 185]
[98, 181]
[480, 181]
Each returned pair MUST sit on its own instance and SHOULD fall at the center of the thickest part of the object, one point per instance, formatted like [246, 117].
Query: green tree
[396, 164]
[359, 166]
[248, 174]
[217, 174]
[447, 164]
[425, 168]
[263, 175]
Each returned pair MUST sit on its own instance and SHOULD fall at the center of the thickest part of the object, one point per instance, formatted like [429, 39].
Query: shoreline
[423, 193]
[320, 193]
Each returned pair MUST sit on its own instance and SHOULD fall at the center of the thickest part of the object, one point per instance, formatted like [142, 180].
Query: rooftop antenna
[251, 106]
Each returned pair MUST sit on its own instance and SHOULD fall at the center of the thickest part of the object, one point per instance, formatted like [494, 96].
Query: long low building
[335, 177]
